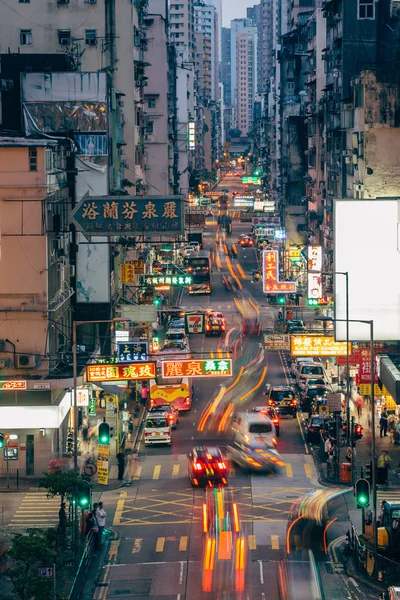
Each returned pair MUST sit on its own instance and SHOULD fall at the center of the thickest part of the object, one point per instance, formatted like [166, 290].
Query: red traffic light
[358, 432]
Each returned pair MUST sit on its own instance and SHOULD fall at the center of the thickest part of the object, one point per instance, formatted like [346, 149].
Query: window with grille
[64, 37]
[32, 159]
[91, 37]
[366, 9]
[25, 37]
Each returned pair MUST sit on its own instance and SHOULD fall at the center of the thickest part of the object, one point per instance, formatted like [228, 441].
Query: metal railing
[80, 577]
[14, 479]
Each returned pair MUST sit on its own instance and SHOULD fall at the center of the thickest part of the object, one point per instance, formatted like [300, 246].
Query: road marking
[252, 542]
[220, 354]
[156, 472]
[259, 384]
[120, 508]
[274, 542]
[137, 545]
[261, 572]
[160, 544]
[289, 470]
[232, 472]
[302, 433]
[309, 471]
[241, 272]
[113, 551]
[138, 473]
[183, 543]
[181, 570]
[175, 470]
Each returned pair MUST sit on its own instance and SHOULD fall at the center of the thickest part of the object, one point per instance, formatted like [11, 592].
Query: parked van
[392, 593]
[254, 428]
[157, 429]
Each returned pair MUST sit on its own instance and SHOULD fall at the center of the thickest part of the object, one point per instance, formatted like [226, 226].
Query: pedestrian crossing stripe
[163, 543]
[392, 496]
[36, 510]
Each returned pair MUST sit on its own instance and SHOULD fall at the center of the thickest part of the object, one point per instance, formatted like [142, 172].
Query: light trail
[247, 394]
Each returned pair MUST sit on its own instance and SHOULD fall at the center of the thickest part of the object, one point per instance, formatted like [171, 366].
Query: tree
[28, 552]
[63, 483]
[234, 133]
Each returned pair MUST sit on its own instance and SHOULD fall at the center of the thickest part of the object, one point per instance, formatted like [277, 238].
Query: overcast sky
[235, 9]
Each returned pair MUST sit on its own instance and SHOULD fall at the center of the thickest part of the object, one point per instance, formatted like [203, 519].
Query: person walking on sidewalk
[383, 468]
[384, 422]
[101, 520]
[144, 394]
[359, 406]
[121, 465]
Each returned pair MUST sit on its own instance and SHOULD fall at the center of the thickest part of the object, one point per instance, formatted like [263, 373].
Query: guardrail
[80, 577]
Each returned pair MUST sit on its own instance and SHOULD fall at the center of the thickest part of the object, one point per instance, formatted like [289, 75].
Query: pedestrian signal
[362, 491]
[84, 495]
[281, 300]
[104, 434]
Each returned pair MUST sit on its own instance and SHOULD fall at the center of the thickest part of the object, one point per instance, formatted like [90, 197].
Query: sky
[235, 9]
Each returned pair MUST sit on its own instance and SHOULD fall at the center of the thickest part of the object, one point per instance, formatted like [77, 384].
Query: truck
[196, 235]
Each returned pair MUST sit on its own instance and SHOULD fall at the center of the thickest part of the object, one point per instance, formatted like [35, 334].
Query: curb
[352, 571]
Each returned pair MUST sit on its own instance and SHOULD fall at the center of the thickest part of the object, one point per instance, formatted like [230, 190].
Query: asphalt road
[159, 548]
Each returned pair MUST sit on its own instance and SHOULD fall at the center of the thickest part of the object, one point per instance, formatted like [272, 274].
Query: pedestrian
[130, 428]
[280, 315]
[62, 520]
[383, 468]
[359, 406]
[95, 528]
[101, 520]
[144, 394]
[85, 429]
[121, 465]
[328, 446]
[384, 422]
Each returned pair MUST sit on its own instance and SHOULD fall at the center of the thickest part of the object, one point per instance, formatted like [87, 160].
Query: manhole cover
[142, 588]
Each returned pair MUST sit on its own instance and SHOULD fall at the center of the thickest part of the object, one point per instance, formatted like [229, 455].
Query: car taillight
[147, 433]
[190, 288]
[221, 466]
[223, 327]
[197, 466]
[190, 269]
[293, 404]
[208, 327]
[170, 417]
[275, 421]
[187, 399]
[274, 440]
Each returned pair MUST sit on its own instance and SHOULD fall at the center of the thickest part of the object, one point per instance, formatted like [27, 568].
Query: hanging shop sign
[102, 464]
[174, 280]
[12, 385]
[197, 368]
[314, 256]
[314, 345]
[191, 135]
[132, 351]
[195, 323]
[314, 283]
[252, 180]
[268, 220]
[82, 398]
[112, 372]
[276, 342]
[271, 283]
[127, 273]
[116, 215]
[92, 407]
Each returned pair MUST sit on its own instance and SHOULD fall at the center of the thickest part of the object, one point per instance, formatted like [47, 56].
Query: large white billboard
[367, 245]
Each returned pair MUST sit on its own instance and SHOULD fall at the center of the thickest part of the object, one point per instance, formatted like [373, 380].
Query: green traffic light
[104, 439]
[362, 500]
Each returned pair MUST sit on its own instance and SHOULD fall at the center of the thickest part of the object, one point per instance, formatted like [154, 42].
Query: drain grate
[142, 588]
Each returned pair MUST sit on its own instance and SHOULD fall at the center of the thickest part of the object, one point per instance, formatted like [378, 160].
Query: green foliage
[28, 552]
[63, 483]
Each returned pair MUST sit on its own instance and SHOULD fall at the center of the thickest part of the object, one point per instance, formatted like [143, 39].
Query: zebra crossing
[36, 510]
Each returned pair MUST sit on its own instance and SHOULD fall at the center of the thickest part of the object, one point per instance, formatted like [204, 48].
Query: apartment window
[64, 37]
[91, 37]
[24, 1]
[150, 127]
[32, 159]
[290, 86]
[151, 102]
[25, 37]
[366, 9]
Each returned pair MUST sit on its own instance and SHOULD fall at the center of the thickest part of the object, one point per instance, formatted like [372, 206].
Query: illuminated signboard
[252, 180]
[12, 385]
[314, 255]
[113, 372]
[271, 283]
[169, 280]
[295, 255]
[314, 285]
[191, 135]
[219, 367]
[280, 234]
[313, 345]
[132, 351]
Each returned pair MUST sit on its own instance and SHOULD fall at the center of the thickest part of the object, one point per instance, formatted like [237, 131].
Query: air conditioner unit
[27, 361]
[335, 177]
[347, 160]
[62, 1]
[358, 187]
[91, 42]
[65, 41]
[347, 153]
[91, 1]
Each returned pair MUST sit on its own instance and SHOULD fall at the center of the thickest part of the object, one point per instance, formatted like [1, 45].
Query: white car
[253, 428]
[296, 362]
[187, 251]
[157, 429]
[308, 371]
[195, 246]
[177, 335]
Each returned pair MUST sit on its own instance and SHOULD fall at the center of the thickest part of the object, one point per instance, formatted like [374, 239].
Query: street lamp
[373, 470]
[346, 274]
[75, 376]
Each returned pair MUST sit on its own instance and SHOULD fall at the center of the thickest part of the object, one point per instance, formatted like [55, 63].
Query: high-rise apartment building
[206, 24]
[243, 71]
[226, 64]
[181, 33]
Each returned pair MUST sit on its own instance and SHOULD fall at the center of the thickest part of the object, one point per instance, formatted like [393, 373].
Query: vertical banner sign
[102, 464]
[314, 278]
[92, 407]
[82, 398]
[271, 283]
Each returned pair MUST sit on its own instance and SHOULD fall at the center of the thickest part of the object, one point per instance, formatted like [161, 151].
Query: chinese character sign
[116, 215]
[219, 367]
[364, 375]
[174, 280]
[271, 283]
[132, 351]
[127, 273]
[314, 283]
[12, 385]
[128, 371]
[313, 345]
[314, 255]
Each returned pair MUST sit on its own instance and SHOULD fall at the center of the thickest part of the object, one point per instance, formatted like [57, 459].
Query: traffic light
[312, 302]
[362, 491]
[104, 434]
[358, 432]
[157, 301]
[281, 300]
[84, 495]
[257, 172]
[70, 441]
[368, 472]
[1, 440]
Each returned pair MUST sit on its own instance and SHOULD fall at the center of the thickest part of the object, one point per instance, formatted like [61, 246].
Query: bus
[178, 392]
[199, 267]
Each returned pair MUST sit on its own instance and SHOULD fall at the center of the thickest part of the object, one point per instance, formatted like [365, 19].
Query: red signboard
[12, 385]
[210, 367]
[271, 283]
[121, 372]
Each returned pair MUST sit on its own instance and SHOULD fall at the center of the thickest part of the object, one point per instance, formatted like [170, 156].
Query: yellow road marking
[183, 543]
[216, 237]
[283, 368]
[241, 272]
[289, 470]
[156, 472]
[160, 544]
[302, 433]
[175, 470]
[274, 542]
[137, 545]
[113, 551]
[138, 473]
[247, 394]
[252, 542]
[218, 261]
[309, 471]
[120, 508]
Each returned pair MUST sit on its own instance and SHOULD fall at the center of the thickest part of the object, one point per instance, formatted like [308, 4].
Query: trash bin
[345, 472]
